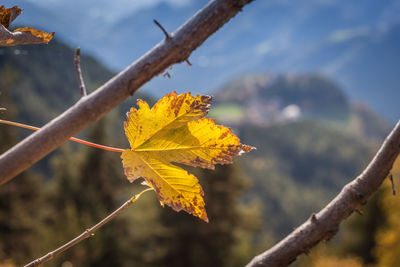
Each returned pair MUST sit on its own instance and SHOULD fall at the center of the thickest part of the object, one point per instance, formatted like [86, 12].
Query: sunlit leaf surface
[175, 130]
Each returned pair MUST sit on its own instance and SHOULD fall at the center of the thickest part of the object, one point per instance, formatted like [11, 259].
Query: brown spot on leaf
[176, 105]
[199, 162]
[225, 134]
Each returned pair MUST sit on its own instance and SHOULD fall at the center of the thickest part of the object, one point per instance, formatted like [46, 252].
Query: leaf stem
[33, 128]
[87, 233]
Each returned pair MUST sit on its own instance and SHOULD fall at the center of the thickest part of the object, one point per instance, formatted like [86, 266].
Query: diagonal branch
[325, 224]
[91, 108]
[87, 233]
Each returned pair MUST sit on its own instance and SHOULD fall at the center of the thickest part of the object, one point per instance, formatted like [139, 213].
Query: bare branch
[87, 233]
[78, 71]
[91, 108]
[353, 195]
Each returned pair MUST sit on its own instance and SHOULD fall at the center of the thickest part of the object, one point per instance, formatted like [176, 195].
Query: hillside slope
[38, 82]
[42, 79]
[302, 160]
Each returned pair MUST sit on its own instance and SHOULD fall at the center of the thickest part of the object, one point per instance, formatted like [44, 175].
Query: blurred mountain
[41, 83]
[352, 42]
[311, 140]
[44, 81]
[265, 99]
[364, 61]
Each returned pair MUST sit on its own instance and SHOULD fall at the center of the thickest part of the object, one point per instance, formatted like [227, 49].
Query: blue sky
[344, 40]
[107, 10]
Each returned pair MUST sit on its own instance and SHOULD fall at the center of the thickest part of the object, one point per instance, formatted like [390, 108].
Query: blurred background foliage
[310, 138]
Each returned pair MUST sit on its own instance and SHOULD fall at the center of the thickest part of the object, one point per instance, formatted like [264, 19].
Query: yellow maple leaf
[20, 36]
[175, 130]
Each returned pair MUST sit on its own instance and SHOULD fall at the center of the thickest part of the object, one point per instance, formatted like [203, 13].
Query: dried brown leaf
[20, 36]
[7, 15]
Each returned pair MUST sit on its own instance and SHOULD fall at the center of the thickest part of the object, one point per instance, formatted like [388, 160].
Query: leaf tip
[246, 149]
[142, 104]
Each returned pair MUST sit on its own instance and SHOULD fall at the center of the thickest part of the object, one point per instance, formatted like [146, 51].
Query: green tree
[387, 248]
[21, 220]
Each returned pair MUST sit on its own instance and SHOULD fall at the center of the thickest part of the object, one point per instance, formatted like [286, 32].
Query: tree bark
[173, 50]
[325, 224]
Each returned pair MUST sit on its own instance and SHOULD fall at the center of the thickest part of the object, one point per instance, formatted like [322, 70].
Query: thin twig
[391, 180]
[188, 62]
[166, 74]
[352, 196]
[87, 233]
[78, 71]
[167, 36]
